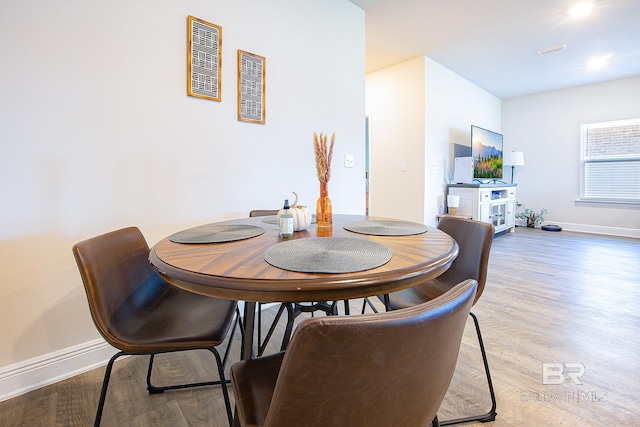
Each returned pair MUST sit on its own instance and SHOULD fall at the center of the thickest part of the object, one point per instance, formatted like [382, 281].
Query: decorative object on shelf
[204, 77]
[513, 158]
[532, 218]
[302, 217]
[324, 153]
[453, 203]
[251, 87]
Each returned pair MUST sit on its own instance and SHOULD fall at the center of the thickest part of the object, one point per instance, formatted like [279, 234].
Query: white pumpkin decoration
[301, 215]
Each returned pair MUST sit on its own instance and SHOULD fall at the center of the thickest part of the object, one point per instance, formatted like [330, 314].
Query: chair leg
[366, 302]
[152, 389]
[230, 340]
[263, 345]
[435, 422]
[222, 381]
[105, 385]
[491, 415]
[291, 316]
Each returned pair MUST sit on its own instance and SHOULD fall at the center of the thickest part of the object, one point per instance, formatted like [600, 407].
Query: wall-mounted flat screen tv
[486, 149]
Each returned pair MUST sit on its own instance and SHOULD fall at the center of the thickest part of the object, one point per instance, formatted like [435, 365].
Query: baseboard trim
[599, 229]
[32, 374]
[41, 371]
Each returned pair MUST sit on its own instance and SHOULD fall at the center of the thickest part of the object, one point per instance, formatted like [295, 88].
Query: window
[610, 160]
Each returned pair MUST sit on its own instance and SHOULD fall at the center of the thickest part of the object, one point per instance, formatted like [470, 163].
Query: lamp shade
[513, 158]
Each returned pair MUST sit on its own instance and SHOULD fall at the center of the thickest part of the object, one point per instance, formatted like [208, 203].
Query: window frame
[611, 159]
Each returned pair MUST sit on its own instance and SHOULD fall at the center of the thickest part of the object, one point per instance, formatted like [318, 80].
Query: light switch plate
[348, 160]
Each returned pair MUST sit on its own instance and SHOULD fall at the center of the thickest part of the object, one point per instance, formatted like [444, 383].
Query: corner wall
[453, 104]
[418, 111]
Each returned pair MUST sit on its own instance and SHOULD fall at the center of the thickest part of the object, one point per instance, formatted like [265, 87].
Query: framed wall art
[204, 73]
[251, 87]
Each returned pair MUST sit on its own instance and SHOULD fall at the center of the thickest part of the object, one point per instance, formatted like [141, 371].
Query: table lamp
[513, 158]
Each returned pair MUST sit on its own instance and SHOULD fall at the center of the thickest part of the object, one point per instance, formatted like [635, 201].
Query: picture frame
[251, 87]
[204, 59]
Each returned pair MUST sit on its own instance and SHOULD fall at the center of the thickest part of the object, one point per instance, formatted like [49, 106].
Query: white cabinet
[492, 203]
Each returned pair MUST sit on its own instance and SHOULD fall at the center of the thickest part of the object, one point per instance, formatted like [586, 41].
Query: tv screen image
[486, 150]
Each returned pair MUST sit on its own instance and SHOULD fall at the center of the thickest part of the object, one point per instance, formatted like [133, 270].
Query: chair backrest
[263, 212]
[386, 369]
[118, 278]
[474, 240]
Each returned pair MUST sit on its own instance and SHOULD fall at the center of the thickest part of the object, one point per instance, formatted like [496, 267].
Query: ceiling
[493, 43]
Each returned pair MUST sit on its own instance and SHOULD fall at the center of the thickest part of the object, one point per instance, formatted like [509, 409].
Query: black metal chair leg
[230, 341]
[491, 415]
[105, 385]
[223, 384]
[435, 422]
[222, 381]
[366, 302]
[291, 316]
[263, 345]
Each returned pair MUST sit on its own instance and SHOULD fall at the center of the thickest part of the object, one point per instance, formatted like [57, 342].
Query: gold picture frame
[204, 60]
[251, 87]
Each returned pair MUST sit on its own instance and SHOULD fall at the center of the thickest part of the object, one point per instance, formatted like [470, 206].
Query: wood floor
[551, 298]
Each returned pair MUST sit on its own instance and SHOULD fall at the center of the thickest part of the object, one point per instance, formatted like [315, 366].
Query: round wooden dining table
[238, 270]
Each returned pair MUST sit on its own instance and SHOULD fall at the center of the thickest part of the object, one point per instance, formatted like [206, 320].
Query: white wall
[453, 104]
[546, 127]
[97, 133]
[396, 107]
[419, 109]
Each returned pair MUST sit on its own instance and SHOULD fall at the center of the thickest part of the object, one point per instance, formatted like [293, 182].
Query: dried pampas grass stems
[323, 155]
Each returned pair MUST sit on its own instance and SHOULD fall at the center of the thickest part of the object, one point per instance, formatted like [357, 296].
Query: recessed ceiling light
[599, 62]
[551, 49]
[580, 10]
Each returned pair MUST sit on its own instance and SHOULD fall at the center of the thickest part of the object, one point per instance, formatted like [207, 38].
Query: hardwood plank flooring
[564, 298]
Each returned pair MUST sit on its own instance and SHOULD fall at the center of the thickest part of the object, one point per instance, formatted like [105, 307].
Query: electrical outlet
[403, 166]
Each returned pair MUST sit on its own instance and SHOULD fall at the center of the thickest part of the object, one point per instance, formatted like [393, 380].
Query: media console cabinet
[492, 203]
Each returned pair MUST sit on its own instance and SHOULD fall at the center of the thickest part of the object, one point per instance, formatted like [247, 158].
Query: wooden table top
[237, 270]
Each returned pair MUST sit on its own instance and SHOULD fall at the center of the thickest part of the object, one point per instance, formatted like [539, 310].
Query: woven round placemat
[327, 255]
[212, 233]
[381, 227]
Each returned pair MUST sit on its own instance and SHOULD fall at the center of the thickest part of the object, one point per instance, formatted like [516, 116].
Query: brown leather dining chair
[327, 376]
[474, 239]
[138, 312]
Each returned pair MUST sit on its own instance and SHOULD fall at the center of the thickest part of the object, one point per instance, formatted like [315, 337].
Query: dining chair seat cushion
[158, 316]
[418, 294]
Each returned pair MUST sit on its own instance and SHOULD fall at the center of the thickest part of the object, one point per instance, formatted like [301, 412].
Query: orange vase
[323, 207]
